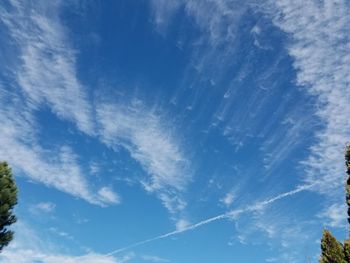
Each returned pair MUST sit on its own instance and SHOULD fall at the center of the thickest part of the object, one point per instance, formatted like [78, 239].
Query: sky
[175, 131]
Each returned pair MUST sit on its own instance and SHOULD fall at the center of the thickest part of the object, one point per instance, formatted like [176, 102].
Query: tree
[332, 250]
[8, 199]
[347, 164]
[347, 250]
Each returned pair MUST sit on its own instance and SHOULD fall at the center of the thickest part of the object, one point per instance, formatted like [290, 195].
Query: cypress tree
[332, 250]
[8, 199]
[347, 250]
[347, 163]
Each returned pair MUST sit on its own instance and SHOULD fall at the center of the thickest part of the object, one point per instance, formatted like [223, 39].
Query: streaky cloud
[43, 70]
[153, 144]
[232, 214]
[320, 47]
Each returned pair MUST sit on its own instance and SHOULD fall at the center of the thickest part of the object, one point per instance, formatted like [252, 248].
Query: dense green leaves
[347, 250]
[8, 199]
[332, 250]
[347, 164]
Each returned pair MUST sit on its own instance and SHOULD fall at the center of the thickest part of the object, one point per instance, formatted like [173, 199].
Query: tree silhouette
[8, 199]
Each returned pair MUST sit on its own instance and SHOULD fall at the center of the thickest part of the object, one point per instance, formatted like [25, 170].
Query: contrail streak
[231, 214]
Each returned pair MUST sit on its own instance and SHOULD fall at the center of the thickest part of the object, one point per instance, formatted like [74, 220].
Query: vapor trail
[231, 214]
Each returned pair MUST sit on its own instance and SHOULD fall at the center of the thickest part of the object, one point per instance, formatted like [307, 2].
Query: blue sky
[175, 131]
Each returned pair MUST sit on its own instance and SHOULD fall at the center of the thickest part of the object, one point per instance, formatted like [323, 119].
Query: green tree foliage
[347, 250]
[347, 163]
[332, 250]
[8, 199]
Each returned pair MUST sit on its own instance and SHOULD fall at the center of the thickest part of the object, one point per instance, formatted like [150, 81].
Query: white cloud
[60, 233]
[163, 11]
[53, 168]
[153, 258]
[94, 168]
[230, 215]
[46, 207]
[108, 196]
[31, 256]
[46, 75]
[171, 200]
[282, 233]
[148, 141]
[219, 28]
[228, 199]
[151, 142]
[271, 259]
[182, 224]
[58, 168]
[29, 247]
[44, 69]
[336, 215]
[320, 46]
[321, 50]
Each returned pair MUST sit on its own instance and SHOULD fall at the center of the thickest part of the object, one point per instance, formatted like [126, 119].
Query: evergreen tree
[347, 250]
[8, 199]
[332, 250]
[347, 163]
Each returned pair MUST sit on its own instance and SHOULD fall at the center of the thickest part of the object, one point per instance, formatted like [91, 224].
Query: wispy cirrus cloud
[29, 246]
[219, 28]
[251, 85]
[320, 46]
[21, 149]
[41, 72]
[18, 255]
[318, 41]
[107, 195]
[152, 258]
[230, 215]
[276, 228]
[335, 214]
[149, 140]
[46, 207]
[29, 256]
[45, 75]
[228, 199]
[46, 63]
